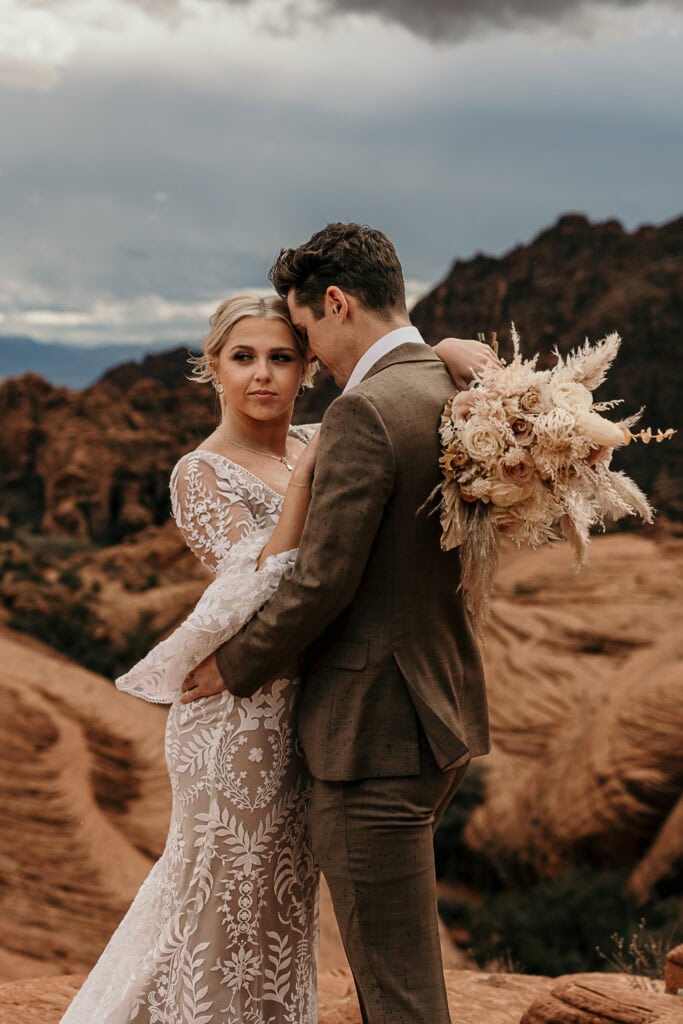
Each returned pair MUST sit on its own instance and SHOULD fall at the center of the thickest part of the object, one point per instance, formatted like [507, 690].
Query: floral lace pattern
[225, 926]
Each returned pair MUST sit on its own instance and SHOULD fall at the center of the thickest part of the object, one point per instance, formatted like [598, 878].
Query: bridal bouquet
[525, 455]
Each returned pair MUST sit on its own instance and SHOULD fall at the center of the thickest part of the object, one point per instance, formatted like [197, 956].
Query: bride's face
[260, 368]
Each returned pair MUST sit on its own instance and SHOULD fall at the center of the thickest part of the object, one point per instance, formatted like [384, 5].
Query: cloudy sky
[155, 154]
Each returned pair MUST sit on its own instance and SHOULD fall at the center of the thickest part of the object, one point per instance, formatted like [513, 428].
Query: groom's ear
[337, 303]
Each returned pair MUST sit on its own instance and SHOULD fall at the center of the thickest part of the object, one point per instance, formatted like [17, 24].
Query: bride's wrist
[302, 476]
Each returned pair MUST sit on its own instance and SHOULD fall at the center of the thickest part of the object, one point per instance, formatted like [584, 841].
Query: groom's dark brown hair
[354, 257]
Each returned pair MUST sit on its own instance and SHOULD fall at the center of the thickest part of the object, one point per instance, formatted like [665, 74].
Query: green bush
[561, 926]
[583, 921]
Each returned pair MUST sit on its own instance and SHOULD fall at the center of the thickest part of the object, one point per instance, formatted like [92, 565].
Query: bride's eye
[241, 357]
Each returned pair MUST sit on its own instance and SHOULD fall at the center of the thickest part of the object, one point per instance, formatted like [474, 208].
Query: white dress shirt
[387, 343]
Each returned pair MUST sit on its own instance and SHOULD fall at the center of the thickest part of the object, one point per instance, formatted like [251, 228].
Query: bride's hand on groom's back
[303, 471]
[464, 358]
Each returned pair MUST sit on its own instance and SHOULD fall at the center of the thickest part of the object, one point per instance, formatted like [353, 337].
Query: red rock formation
[82, 471]
[102, 606]
[84, 801]
[95, 464]
[585, 680]
[673, 971]
[39, 1001]
[604, 999]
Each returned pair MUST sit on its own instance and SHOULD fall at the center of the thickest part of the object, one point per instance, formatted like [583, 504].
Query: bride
[225, 927]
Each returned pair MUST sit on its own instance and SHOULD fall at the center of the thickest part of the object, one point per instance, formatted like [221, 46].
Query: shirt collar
[380, 348]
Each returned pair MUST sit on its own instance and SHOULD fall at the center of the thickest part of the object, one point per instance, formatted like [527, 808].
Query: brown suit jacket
[372, 603]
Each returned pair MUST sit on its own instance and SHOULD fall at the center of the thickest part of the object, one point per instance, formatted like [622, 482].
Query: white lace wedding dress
[225, 928]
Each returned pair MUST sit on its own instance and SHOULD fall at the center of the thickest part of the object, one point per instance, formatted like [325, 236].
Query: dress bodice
[217, 502]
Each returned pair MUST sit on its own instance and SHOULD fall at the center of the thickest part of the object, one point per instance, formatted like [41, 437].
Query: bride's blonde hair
[230, 312]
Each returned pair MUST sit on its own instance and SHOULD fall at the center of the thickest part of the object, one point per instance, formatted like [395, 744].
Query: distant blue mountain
[72, 366]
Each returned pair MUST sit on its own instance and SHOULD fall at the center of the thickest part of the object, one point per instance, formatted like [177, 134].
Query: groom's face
[322, 336]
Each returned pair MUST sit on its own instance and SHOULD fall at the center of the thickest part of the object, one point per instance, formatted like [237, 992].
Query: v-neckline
[237, 465]
[226, 458]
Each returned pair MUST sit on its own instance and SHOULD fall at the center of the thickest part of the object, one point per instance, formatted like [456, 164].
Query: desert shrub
[642, 954]
[561, 926]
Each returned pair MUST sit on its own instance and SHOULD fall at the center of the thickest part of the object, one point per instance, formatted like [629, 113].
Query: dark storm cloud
[453, 19]
[437, 18]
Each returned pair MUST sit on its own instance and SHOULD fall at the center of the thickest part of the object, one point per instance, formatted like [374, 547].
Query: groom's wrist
[222, 666]
[233, 679]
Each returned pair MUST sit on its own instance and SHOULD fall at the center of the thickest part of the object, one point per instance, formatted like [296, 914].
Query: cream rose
[530, 401]
[481, 439]
[462, 405]
[516, 467]
[467, 495]
[569, 395]
[505, 493]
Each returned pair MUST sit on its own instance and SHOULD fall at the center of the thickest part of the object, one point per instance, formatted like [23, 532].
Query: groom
[393, 705]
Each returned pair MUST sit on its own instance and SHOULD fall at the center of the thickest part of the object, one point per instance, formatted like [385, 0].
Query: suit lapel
[409, 352]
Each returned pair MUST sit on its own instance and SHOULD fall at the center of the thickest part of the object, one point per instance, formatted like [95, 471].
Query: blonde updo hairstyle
[230, 312]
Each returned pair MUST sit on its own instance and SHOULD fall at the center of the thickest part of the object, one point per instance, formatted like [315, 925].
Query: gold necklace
[284, 459]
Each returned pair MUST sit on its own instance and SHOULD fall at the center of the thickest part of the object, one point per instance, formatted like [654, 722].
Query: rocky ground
[473, 997]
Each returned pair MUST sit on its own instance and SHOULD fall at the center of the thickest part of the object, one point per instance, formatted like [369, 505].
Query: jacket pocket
[349, 654]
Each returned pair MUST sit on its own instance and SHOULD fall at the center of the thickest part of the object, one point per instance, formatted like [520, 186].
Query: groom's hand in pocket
[204, 681]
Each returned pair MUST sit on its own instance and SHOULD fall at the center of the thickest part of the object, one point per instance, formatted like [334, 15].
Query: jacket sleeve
[354, 480]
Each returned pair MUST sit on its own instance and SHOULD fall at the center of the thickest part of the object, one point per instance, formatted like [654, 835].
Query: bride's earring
[218, 386]
[301, 391]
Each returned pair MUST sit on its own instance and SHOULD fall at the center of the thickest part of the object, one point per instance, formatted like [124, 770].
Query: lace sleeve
[209, 512]
[222, 532]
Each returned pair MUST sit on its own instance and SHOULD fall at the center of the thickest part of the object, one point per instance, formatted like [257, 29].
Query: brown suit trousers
[373, 840]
